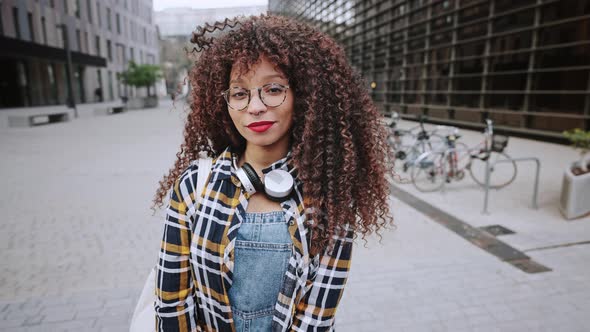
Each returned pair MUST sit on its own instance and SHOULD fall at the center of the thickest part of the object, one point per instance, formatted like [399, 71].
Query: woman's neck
[260, 157]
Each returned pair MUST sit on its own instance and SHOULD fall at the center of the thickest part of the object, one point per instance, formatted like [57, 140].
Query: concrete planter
[142, 102]
[150, 102]
[575, 194]
[135, 103]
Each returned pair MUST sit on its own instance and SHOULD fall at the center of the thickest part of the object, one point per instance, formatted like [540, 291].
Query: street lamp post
[71, 102]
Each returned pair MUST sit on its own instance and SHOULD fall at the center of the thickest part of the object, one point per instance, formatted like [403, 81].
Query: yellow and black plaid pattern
[195, 269]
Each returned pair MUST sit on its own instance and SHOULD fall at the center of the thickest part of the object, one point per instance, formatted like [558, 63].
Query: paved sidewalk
[79, 239]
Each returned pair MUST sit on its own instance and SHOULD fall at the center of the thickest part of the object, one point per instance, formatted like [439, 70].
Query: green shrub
[141, 75]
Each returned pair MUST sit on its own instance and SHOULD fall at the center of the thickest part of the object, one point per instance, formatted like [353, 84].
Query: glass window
[416, 44]
[110, 78]
[79, 40]
[77, 8]
[441, 38]
[565, 33]
[440, 54]
[31, 26]
[514, 21]
[97, 45]
[470, 66]
[467, 83]
[564, 57]
[437, 84]
[416, 58]
[558, 103]
[109, 25]
[436, 99]
[508, 62]
[470, 49]
[507, 82]
[563, 9]
[44, 28]
[442, 22]
[465, 100]
[442, 6]
[417, 30]
[561, 80]
[472, 31]
[505, 5]
[98, 14]
[118, 18]
[109, 50]
[89, 11]
[439, 69]
[474, 12]
[16, 23]
[515, 41]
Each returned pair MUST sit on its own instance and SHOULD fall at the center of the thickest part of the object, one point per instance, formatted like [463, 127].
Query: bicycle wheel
[428, 172]
[502, 170]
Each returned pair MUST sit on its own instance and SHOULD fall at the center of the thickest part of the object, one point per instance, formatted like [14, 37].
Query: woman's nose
[256, 105]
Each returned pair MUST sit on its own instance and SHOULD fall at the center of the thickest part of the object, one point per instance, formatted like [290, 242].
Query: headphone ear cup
[253, 177]
[278, 185]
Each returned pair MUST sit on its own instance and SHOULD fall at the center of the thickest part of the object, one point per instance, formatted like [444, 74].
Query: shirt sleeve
[175, 303]
[317, 309]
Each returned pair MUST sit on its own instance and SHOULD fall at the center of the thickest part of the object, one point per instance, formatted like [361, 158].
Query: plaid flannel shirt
[195, 268]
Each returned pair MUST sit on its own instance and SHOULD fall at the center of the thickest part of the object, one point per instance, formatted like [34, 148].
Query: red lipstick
[260, 126]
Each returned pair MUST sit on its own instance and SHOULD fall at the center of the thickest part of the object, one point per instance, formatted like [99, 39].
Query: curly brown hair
[337, 142]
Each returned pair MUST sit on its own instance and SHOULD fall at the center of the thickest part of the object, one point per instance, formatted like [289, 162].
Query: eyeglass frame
[225, 96]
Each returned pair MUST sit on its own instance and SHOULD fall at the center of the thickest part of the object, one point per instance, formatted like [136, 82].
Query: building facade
[103, 36]
[525, 64]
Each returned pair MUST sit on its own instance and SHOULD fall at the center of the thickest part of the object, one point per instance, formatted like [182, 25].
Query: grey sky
[163, 4]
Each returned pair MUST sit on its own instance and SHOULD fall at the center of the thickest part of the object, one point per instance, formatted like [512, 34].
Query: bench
[30, 120]
[114, 109]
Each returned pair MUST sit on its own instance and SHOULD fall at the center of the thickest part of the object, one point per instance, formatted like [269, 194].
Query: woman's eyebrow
[274, 76]
[239, 80]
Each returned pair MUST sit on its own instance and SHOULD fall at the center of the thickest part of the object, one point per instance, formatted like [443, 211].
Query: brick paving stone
[34, 320]
[9, 323]
[60, 314]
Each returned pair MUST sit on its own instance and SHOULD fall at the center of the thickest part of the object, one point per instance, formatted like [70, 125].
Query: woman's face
[259, 124]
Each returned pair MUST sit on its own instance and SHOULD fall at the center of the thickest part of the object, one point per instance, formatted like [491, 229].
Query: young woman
[272, 100]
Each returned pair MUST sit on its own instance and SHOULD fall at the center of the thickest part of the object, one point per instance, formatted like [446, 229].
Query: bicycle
[408, 145]
[435, 168]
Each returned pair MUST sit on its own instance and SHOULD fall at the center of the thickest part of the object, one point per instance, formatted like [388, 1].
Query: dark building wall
[525, 64]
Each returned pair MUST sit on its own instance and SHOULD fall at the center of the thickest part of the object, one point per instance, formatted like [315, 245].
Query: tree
[141, 75]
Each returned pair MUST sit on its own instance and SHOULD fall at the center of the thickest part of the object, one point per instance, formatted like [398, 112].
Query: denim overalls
[262, 251]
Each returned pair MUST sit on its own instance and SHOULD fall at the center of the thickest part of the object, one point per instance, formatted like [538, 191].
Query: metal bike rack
[535, 190]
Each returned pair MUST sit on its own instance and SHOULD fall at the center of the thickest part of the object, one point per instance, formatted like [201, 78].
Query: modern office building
[525, 64]
[103, 36]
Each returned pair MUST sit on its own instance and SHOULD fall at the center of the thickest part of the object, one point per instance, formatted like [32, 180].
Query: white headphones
[277, 186]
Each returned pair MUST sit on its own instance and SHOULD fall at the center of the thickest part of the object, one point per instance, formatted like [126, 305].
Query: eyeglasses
[271, 95]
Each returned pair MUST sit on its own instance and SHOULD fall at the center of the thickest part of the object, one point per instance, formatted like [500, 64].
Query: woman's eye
[274, 89]
[238, 95]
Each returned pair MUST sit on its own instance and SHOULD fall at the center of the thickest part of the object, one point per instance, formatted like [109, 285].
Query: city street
[78, 238]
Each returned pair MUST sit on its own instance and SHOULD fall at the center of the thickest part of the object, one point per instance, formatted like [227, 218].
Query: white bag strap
[204, 171]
